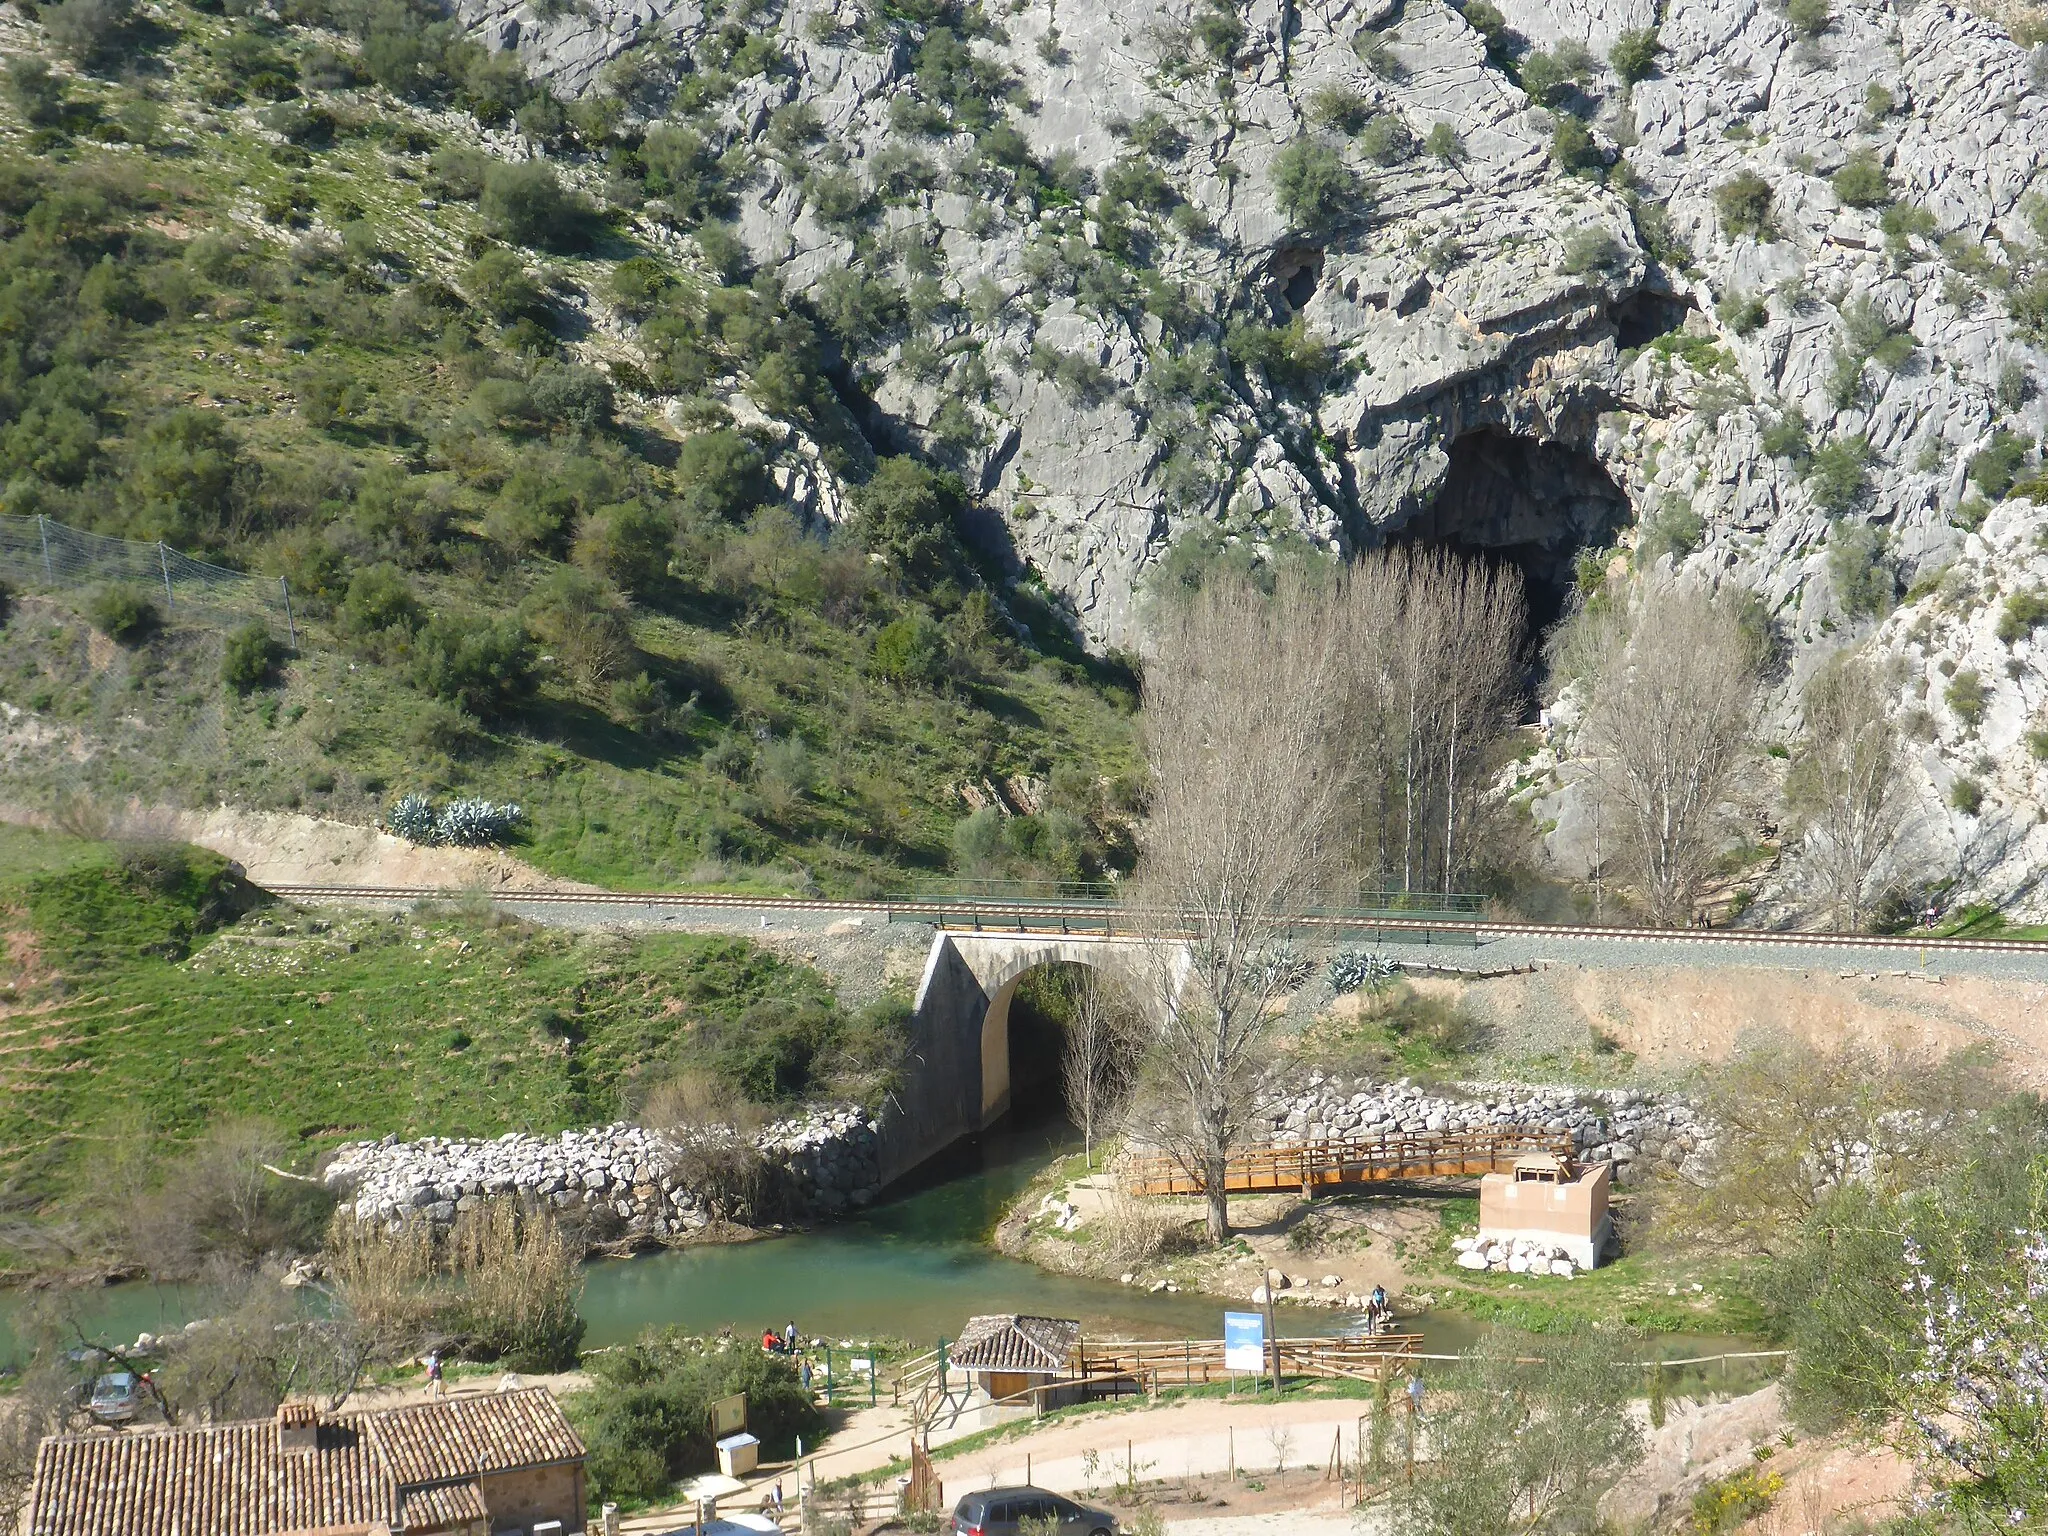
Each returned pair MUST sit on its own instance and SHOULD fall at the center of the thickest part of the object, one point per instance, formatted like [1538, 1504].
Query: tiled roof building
[471, 1466]
[1039, 1346]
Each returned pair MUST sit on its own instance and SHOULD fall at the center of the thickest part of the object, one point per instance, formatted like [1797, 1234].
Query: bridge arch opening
[1023, 1039]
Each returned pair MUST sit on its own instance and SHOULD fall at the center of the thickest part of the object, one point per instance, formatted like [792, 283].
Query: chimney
[298, 1427]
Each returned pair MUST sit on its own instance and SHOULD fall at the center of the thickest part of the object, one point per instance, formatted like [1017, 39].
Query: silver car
[115, 1397]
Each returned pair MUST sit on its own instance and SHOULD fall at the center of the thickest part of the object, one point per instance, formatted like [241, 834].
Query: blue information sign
[1244, 1342]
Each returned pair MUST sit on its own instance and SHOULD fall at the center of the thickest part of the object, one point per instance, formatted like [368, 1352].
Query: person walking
[775, 1503]
[435, 1386]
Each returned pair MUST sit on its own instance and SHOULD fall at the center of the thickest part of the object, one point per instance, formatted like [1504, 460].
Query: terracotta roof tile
[438, 1508]
[462, 1436]
[418, 1463]
[1039, 1345]
[223, 1480]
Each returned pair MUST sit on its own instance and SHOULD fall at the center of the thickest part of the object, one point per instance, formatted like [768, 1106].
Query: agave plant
[1366, 969]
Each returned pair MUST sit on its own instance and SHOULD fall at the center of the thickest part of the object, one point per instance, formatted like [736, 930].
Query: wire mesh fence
[38, 553]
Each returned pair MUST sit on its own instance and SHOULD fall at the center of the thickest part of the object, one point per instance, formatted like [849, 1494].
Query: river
[913, 1268]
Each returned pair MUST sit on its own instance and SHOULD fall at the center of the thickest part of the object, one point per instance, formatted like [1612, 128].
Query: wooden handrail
[1309, 1165]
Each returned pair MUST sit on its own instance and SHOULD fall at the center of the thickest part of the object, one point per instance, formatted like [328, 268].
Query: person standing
[435, 1386]
[789, 1336]
[775, 1503]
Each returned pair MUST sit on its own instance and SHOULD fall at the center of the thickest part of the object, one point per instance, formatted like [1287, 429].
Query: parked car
[1003, 1511]
[115, 1397]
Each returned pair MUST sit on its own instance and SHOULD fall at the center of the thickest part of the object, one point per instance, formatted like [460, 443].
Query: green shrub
[89, 31]
[1676, 530]
[1868, 333]
[1316, 191]
[1742, 312]
[1387, 141]
[1547, 76]
[2024, 613]
[524, 201]
[250, 657]
[1861, 182]
[1744, 202]
[482, 665]
[1838, 474]
[500, 285]
[628, 543]
[1809, 18]
[908, 513]
[649, 1421]
[1967, 697]
[1862, 578]
[122, 611]
[1339, 107]
[1444, 144]
[1994, 468]
[1788, 437]
[909, 650]
[1573, 148]
[1634, 54]
[1591, 249]
[722, 475]
[379, 612]
[1967, 796]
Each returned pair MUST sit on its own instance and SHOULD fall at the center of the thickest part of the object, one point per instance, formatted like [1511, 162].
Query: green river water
[914, 1268]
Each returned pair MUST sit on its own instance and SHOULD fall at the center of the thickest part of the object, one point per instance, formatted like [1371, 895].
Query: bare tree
[1245, 829]
[1434, 641]
[1845, 787]
[1669, 680]
[1100, 1056]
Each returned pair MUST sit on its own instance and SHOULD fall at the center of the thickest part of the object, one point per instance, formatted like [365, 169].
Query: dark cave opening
[1644, 316]
[1529, 504]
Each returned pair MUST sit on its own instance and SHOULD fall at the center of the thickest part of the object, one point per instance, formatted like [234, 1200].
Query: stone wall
[1633, 1128]
[622, 1181]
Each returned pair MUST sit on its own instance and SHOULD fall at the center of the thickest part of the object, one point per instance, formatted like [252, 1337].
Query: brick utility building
[464, 1466]
[1547, 1199]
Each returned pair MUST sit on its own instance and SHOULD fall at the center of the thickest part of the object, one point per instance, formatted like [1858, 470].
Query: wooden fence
[1148, 1365]
[1309, 1166]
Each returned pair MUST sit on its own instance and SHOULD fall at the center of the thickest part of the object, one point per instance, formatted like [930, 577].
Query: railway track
[997, 916]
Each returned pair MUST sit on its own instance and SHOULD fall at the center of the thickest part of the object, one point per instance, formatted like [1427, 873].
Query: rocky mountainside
[1756, 289]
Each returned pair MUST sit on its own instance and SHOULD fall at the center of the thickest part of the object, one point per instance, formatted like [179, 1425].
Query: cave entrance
[1529, 504]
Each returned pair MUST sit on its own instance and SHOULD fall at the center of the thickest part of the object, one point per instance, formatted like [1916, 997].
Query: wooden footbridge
[1311, 1167]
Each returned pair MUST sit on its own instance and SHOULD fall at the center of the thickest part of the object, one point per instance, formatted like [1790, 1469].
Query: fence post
[163, 561]
[290, 628]
[43, 528]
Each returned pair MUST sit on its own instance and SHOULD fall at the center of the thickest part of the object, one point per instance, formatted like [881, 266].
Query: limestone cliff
[1327, 270]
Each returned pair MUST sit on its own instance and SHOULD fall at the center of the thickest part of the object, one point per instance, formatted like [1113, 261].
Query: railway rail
[1082, 917]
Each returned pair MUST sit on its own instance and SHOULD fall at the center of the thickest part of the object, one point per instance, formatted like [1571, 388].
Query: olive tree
[1521, 1445]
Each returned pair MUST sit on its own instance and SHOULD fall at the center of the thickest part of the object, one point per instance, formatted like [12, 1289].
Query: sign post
[1244, 1343]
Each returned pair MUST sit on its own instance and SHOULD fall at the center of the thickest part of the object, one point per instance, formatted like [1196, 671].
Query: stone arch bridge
[959, 1075]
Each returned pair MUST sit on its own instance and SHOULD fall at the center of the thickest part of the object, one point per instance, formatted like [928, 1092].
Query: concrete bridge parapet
[958, 1081]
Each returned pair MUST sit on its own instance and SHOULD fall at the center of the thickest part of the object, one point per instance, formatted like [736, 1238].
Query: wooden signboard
[729, 1416]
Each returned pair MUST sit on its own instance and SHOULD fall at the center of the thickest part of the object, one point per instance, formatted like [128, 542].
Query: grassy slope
[114, 1051]
[608, 802]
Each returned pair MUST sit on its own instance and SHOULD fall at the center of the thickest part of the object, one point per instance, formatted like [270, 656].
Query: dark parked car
[1003, 1511]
